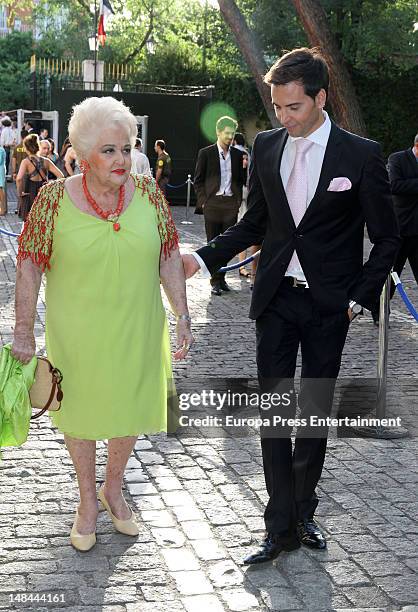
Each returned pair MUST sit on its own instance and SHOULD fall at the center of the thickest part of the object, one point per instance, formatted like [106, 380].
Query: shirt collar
[321, 135]
[221, 151]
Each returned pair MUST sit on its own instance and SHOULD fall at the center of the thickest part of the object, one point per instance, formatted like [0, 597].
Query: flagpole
[95, 43]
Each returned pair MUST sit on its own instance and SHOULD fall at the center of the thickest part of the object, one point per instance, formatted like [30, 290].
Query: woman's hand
[184, 339]
[23, 347]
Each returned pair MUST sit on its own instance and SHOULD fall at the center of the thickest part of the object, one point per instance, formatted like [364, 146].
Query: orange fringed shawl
[36, 239]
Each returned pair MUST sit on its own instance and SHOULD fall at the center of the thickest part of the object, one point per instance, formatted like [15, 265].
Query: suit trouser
[290, 320]
[162, 184]
[407, 251]
[220, 212]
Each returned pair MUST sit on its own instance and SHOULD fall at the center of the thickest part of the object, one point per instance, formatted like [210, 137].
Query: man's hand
[190, 265]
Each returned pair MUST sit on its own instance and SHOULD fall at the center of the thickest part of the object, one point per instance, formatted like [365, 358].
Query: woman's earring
[84, 166]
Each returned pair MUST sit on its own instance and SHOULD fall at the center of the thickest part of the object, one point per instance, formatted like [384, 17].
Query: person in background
[163, 166]
[7, 140]
[140, 162]
[218, 181]
[3, 208]
[33, 172]
[18, 155]
[403, 177]
[65, 146]
[28, 126]
[43, 134]
[44, 148]
[239, 143]
[71, 162]
[53, 156]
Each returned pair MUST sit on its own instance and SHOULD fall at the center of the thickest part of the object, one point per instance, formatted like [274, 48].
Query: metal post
[189, 184]
[382, 357]
[382, 369]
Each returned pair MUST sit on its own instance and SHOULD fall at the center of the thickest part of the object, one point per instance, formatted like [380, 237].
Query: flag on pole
[105, 10]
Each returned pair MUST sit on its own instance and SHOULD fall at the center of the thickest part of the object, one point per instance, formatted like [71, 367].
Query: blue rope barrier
[240, 263]
[176, 186]
[403, 295]
[6, 233]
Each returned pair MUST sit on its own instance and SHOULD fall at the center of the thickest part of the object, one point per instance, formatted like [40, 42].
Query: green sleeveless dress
[106, 327]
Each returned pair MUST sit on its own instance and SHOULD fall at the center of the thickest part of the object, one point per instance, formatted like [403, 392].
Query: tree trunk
[342, 95]
[251, 50]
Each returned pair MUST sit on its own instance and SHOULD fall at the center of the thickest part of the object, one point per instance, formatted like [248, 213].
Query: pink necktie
[297, 188]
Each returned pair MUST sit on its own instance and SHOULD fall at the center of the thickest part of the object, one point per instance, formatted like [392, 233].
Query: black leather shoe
[272, 546]
[224, 285]
[310, 534]
[216, 290]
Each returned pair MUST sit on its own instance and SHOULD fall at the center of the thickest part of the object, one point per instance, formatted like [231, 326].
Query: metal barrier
[379, 431]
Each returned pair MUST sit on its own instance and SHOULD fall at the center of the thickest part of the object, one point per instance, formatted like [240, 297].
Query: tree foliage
[376, 37]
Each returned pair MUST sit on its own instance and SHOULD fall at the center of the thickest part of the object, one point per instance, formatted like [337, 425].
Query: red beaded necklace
[106, 215]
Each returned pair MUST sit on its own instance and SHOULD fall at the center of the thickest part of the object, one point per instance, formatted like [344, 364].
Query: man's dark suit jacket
[207, 176]
[329, 239]
[403, 176]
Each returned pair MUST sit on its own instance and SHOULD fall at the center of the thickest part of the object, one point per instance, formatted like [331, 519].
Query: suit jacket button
[299, 235]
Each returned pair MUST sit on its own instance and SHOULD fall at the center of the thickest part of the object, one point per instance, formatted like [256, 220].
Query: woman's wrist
[183, 317]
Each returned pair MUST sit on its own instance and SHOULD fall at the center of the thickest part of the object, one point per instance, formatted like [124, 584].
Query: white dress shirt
[314, 158]
[140, 163]
[8, 137]
[226, 172]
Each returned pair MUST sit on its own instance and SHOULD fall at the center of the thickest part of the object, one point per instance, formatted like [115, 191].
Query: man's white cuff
[204, 272]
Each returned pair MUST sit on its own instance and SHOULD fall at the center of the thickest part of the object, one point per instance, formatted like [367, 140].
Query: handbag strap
[56, 384]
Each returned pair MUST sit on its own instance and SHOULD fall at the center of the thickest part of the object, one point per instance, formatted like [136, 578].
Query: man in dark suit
[218, 181]
[403, 176]
[313, 186]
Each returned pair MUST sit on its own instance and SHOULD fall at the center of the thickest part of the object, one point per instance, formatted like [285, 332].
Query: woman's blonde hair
[91, 116]
[31, 144]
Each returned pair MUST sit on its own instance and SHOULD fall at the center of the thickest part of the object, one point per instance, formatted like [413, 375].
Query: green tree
[15, 52]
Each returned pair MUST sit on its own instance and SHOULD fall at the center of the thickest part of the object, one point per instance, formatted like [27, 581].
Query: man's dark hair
[224, 122]
[23, 133]
[161, 144]
[138, 142]
[306, 66]
[239, 139]
[6, 123]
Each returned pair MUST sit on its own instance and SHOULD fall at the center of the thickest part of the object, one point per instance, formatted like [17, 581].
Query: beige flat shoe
[81, 542]
[128, 526]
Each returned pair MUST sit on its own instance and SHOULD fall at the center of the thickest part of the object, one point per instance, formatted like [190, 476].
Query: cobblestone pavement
[199, 499]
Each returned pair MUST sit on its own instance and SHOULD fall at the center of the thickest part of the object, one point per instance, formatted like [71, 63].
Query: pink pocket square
[341, 183]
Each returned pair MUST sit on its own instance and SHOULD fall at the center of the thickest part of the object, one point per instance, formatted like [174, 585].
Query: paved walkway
[199, 499]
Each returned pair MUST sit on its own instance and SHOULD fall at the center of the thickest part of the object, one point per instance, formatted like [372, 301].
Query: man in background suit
[403, 176]
[313, 187]
[218, 181]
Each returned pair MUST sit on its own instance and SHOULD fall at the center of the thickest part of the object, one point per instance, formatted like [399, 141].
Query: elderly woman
[108, 240]
[34, 169]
